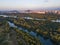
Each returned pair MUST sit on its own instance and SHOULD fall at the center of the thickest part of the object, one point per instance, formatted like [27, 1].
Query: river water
[43, 41]
[57, 20]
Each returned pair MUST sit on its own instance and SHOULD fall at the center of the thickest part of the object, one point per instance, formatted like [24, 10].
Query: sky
[28, 4]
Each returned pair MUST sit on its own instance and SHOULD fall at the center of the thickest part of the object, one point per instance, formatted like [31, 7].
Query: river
[43, 41]
[57, 20]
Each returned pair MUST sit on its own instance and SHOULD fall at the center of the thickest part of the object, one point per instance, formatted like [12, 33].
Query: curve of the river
[45, 42]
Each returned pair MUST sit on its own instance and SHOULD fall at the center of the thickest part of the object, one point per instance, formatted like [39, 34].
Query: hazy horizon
[29, 4]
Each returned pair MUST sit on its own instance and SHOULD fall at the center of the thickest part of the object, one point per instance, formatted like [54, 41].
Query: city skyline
[29, 4]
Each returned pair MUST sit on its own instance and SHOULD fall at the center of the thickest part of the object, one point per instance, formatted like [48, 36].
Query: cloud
[46, 0]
